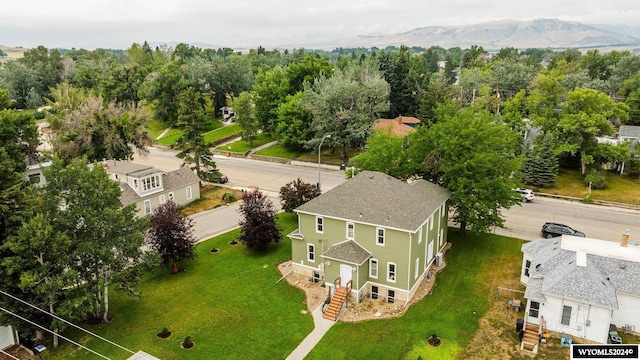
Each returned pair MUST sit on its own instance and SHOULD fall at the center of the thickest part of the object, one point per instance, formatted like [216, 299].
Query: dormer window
[150, 183]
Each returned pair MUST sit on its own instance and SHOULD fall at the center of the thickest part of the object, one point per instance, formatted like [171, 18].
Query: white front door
[345, 274]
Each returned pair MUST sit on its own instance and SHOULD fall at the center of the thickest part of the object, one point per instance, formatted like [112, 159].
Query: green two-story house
[374, 230]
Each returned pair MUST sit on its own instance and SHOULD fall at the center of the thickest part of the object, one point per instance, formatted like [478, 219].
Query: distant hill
[538, 33]
[12, 52]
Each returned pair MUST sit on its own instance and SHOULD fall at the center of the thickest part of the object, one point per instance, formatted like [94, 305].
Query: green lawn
[156, 128]
[228, 302]
[212, 136]
[460, 297]
[242, 146]
[278, 151]
[620, 188]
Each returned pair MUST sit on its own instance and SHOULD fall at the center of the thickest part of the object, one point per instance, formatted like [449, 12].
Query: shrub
[165, 333]
[597, 179]
[228, 197]
[634, 168]
[187, 343]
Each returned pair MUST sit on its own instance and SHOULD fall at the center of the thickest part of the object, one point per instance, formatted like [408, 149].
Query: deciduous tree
[296, 193]
[171, 234]
[258, 224]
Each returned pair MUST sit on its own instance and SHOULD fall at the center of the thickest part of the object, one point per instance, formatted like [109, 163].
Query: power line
[45, 329]
[67, 322]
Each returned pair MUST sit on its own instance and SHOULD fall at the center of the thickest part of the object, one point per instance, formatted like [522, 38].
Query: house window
[311, 252]
[391, 272]
[171, 197]
[534, 309]
[147, 206]
[34, 178]
[350, 230]
[374, 292]
[189, 194]
[420, 235]
[161, 199]
[431, 223]
[135, 184]
[319, 224]
[566, 315]
[373, 268]
[380, 236]
[391, 296]
[417, 267]
[115, 176]
[527, 266]
[150, 183]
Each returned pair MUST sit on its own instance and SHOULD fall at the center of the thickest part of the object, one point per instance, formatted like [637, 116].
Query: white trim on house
[392, 274]
[377, 267]
[319, 224]
[384, 236]
[350, 230]
[311, 252]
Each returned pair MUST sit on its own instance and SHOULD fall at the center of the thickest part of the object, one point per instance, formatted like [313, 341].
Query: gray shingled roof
[347, 251]
[554, 272]
[629, 131]
[170, 181]
[376, 198]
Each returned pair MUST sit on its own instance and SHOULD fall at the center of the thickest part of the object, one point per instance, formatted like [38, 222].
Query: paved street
[522, 222]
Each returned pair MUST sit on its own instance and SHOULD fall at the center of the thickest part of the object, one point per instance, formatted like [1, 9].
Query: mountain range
[494, 35]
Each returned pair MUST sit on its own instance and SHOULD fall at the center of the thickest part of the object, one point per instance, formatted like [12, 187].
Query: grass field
[221, 133]
[228, 302]
[210, 198]
[242, 146]
[620, 188]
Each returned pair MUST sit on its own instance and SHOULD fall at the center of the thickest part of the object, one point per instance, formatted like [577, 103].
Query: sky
[117, 24]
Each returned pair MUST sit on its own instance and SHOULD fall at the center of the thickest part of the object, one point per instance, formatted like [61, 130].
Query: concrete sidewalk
[322, 325]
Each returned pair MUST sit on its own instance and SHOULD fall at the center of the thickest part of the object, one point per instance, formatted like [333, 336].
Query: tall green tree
[346, 105]
[244, 108]
[83, 204]
[585, 115]
[385, 153]
[193, 149]
[98, 130]
[307, 70]
[294, 122]
[269, 91]
[404, 84]
[473, 156]
[19, 79]
[162, 89]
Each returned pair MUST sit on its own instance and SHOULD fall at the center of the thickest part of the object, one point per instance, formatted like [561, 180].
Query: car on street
[527, 194]
[551, 229]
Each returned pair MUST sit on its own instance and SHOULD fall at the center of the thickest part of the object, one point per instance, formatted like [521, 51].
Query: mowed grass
[228, 302]
[619, 189]
[462, 293]
[278, 151]
[242, 146]
[221, 133]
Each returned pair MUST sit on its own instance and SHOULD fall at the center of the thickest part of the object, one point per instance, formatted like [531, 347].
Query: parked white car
[527, 194]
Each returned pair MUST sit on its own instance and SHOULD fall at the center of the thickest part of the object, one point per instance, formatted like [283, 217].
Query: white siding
[7, 337]
[523, 278]
[628, 312]
[598, 317]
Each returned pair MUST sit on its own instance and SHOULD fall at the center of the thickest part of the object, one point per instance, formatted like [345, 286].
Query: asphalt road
[522, 222]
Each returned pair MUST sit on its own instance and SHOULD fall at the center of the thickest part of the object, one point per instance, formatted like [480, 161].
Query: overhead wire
[66, 322]
[45, 329]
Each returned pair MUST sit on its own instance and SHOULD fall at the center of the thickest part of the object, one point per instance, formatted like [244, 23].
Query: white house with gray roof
[579, 286]
[148, 187]
[374, 234]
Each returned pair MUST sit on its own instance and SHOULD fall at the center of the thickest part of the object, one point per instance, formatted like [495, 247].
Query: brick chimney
[625, 238]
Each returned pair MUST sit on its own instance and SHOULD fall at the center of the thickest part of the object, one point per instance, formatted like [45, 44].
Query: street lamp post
[319, 148]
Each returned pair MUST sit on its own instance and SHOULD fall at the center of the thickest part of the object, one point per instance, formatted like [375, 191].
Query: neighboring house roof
[376, 198]
[554, 271]
[171, 181]
[347, 251]
[398, 126]
[629, 131]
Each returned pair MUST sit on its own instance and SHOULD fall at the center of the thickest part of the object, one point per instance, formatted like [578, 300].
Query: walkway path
[322, 325]
[163, 133]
